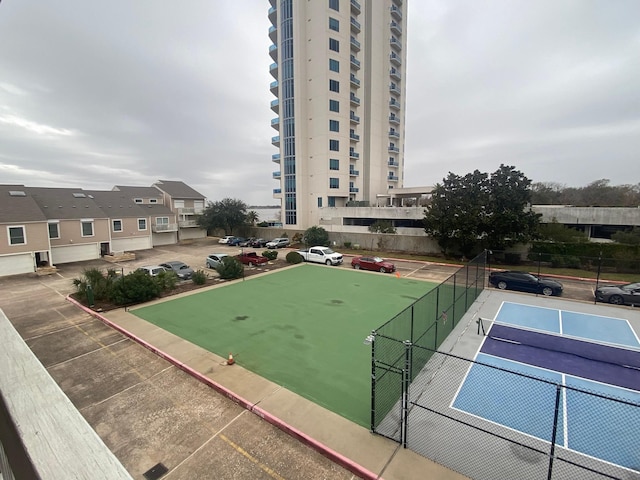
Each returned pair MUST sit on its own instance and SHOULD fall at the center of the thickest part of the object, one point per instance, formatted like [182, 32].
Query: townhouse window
[117, 225]
[334, 126]
[54, 230]
[87, 228]
[178, 203]
[153, 200]
[17, 235]
[319, 201]
[137, 200]
[334, 106]
[334, 45]
[334, 183]
[142, 224]
[331, 201]
[162, 220]
[334, 65]
[334, 5]
[334, 164]
[334, 86]
[334, 24]
[334, 145]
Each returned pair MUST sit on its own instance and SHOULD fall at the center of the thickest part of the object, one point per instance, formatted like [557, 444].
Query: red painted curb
[321, 448]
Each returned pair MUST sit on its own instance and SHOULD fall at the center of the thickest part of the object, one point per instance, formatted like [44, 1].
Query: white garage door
[15, 264]
[74, 253]
[167, 238]
[130, 244]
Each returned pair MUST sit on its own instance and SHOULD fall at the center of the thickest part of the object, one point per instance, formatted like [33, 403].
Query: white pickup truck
[321, 255]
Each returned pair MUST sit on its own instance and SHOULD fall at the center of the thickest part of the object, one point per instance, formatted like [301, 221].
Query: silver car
[628, 294]
[181, 269]
[153, 270]
[215, 259]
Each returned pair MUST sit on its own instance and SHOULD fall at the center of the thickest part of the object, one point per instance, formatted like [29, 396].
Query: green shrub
[199, 277]
[166, 281]
[293, 257]
[135, 287]
[230, 268]
[100, 283]
[270, 254]
[512, 258]
[347, 244]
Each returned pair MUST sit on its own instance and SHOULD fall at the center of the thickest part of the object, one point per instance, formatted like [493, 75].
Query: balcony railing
[275, 158]
[355, 100]
[274, 87]
[273, 70]
[354, 173]
[392, 178]
[187, 223]
[394, 119]
[355, 43]
[355, 63]
[393, 163]
[355, 25]
[273, 33]
[395, 73]
[395, 43]
[277, 191]
[395, 27]
[354, 118]
[354, 136]
[354, 189]
[273, 15]
[355, 7]
[275, 123]
[275, 141]
[396, 12]
[354, 80]
[394, 149]
[164, 227]
[190, 210]
[395, 58]
[393, 88]
[273, 52]
[394, 134]
[354, 155]
[276, 174]
[393, 103]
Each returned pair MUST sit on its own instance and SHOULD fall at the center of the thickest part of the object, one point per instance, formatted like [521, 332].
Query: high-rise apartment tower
[339, 69]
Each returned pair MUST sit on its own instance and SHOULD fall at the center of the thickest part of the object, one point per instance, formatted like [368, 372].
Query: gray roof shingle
[65, 203]
[18, 208]
[178, 189]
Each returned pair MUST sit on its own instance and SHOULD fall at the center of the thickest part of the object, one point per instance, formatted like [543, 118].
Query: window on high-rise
[334, 5]
[334, 24]
[334, 86]
[334, 45]
[334, 164]
[334, 126]
[334, 183]
[334, 106]
[334, 65]
[334, 145]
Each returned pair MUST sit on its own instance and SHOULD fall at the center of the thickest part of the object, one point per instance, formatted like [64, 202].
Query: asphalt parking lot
[146, 410]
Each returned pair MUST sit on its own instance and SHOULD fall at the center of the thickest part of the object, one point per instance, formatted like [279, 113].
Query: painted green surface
[302, 328]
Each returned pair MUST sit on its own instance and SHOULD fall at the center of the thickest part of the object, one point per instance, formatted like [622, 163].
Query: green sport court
[303, 328]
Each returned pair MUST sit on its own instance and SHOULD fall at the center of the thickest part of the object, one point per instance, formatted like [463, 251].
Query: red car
[251, 259]
[376, 264]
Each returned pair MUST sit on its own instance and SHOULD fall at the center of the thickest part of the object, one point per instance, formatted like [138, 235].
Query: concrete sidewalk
[354, 447]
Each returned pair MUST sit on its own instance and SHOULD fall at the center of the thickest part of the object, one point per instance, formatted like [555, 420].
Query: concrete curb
[321, 448]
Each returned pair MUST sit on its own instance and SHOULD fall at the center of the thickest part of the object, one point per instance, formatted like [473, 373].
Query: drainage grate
[155, 472]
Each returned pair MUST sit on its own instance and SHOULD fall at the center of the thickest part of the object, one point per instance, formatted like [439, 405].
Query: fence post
[555, 430]
[453, 308]
[595, 300]
[406, 380]
[373, 381]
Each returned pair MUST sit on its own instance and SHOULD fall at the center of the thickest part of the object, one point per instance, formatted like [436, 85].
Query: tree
[456, 215]
[252, 217]
[382, 226]
[510, 219]
[630, 238]
[315, 236]
[225, 215]
[475, 211]
[559, 233]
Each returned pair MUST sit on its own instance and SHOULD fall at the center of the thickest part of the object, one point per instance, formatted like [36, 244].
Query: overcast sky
[96, 94]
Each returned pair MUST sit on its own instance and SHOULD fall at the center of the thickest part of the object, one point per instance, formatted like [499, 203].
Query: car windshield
[378, 259]
[328, 251]
[630, 286]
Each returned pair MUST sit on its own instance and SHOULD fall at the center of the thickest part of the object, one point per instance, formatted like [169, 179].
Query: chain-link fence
[427, 323]
[488, 422]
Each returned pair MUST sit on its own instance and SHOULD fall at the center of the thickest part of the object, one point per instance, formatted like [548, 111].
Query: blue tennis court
[586, 366]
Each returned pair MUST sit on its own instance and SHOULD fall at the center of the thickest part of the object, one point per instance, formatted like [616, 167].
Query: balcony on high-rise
[273, 52]
[355, 81]
[395, 58]
[354, 136]
[355, 63]
[275, 105]
[276, 174]
[355, 100]
[396, 12]
[355, 25]
[392, 178]
[274, 88]
[275, 123]
[396, 28]
[275, 158]
[393, 103]
[355, 44]
[394, 149]
[273, 15]
[353, 154]
[394, 134]
[395, 43]
[275, 141]
[273, 70]
[393, 88]
[394, 119]
[395, 73]
[353, 117]
[355, 7]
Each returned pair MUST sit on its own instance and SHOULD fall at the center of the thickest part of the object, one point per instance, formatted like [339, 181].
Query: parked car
[628, 294]
[225, 240]
[259, 243]
[236, 241]
[181, 269]
[376, 264]
[153, 270]
[246, 242]
[215, 259]
[525, 282]
[252, 258]
[321, 254]
[278, 243]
